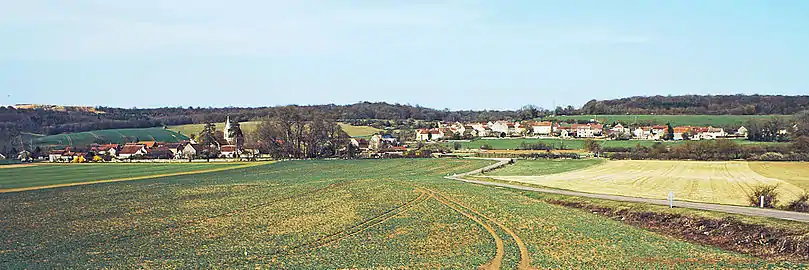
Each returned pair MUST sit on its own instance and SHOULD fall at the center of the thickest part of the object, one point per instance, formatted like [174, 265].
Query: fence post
[671, 199]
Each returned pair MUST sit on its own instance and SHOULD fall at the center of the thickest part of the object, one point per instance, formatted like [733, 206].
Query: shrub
[800, 205]
[771, 156]
[769, 193]
[535, 146]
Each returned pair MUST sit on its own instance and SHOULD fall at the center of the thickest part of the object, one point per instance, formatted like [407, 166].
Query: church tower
[227, 132]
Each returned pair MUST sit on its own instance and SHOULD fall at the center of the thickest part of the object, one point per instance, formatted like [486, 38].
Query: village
[535, 129]
[386, 145]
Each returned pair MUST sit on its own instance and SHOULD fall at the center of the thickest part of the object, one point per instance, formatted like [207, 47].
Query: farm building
[429, 134]
[228, 151]
[381, 141]
[359, 143]
[131, 150]
[542, 128]
[587, 130]
[191, 150]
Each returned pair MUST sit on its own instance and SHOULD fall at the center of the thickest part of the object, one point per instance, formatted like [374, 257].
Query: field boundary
[731, 209]
[134, 178]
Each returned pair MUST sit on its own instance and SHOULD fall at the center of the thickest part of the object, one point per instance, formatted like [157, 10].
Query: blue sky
[441, 54]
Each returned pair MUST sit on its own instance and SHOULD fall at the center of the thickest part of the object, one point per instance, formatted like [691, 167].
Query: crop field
[677, 120]
[250, 126]
[359, 131]
[324, 215]
[796, 173]
[109, 136]
[56, 174]
[726, 182]
[544, 166]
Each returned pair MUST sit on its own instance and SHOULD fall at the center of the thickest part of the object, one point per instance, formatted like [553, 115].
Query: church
[233, 133]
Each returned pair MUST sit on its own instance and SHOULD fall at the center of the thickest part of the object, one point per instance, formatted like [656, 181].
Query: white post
[762, 201]
[671, 199]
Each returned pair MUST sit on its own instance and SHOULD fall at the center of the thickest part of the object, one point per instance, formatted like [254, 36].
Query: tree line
[300, 132]
[698, 104]
[721, 149]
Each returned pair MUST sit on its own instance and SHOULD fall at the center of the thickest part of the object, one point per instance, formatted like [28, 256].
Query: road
[741, 210]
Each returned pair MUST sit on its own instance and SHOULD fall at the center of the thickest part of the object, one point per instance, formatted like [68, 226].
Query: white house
[228, 151]
[500, 127]
[190, 150]
[742, 131]
[380, 141]
[712, 133]
[642, 133]
[587, 130]
[481, 130]
[429, 134]
[542, 128]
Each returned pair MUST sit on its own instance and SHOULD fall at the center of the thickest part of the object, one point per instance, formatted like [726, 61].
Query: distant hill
[250, 126]
[695, 104]
[108, 136]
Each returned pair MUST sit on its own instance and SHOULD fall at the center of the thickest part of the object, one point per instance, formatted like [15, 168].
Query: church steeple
[227, 130]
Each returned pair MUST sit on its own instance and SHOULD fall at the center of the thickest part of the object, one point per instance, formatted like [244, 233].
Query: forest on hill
[697, 104]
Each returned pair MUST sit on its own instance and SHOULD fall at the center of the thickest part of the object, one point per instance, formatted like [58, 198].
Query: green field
[187, 130]
[676, 120]
[377, 214]
[359, 131]
[723, 182]
[55, 174]
[109, 136]
[8, 161]
[569, 144]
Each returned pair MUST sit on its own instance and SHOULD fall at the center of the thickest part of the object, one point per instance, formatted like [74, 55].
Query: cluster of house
[504, 129]
[379, 145]
[147, 150]
[227, 148]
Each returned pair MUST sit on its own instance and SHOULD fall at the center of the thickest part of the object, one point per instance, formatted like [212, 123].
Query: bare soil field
[725, 182]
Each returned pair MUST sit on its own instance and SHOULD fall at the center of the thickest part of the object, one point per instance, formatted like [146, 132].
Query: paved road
[742, 210]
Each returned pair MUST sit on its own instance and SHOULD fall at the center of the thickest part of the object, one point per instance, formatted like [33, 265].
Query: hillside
[696, 104]
[108, 136]
[250, 126]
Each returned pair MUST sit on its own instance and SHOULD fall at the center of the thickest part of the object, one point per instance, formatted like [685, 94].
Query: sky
[452, 54]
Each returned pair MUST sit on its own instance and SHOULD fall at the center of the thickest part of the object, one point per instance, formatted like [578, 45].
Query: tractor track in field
[359, 227]
[474, 215]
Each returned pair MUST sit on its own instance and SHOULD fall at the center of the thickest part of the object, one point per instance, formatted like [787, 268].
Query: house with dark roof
[132, 150]
[160, 152]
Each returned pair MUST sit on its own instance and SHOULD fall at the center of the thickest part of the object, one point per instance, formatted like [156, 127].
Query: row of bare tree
[300, 132]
